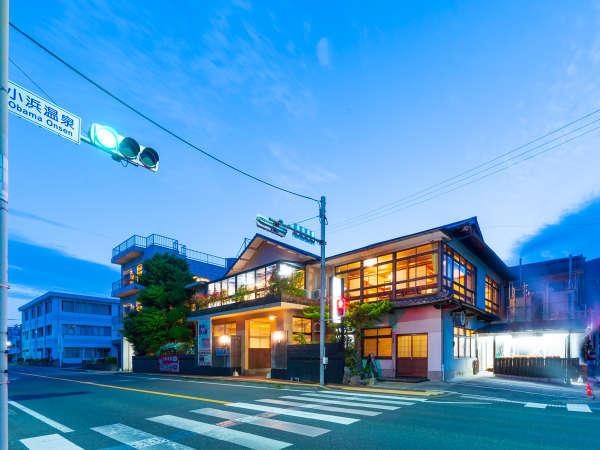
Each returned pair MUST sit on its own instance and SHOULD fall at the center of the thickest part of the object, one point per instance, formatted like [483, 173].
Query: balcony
[124, 287]
[134, 247]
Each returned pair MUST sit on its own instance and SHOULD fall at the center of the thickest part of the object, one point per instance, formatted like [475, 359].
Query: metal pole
[3, 227]
[323, 279]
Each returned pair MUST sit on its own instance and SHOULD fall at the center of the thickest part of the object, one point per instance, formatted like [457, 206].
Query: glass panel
[260, 278]
[354, 265]
[300, 325]
[384, 347]
[250, 281]
[260, 334]
[343, 268]
[369, 346]
[385, 258]
[270, 270]
[384, 273]
[370, 332]
[384, 331]
[354, 280]
[404, 347]
[241, 280]
[420, 346]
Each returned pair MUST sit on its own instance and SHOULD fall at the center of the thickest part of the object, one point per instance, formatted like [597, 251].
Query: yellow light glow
[224, 340]
[271, 317]
[277, 336]
[370, 262]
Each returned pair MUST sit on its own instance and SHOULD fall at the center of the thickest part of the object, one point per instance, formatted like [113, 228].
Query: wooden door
[411, 355]
[259, 344]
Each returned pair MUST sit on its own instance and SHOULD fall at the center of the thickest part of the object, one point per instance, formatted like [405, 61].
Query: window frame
[492, 302]
[459, 291]
[464, 338]
[376, 338]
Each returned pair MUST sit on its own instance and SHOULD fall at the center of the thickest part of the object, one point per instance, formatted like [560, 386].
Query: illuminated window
[301, 325]
[260, 334]
[224, 329]
[464, 343]
[139, 269]
[377, 341]
[459, 275]
[417, 271]
[492, 296]
[411, 346]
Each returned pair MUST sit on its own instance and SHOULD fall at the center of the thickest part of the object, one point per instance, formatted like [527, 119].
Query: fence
[303, 363]
[559, 368]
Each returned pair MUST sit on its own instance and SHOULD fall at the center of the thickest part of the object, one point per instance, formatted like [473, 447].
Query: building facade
[444, 284]
[130, 256]
[66, 329]
[14, 342]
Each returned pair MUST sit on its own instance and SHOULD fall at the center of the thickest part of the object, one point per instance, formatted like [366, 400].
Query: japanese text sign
[47, 115]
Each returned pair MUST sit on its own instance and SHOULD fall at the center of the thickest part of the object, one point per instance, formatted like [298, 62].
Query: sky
[365, 105]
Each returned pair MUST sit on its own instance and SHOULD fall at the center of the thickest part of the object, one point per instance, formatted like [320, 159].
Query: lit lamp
[271, 318]
[277, 336]
[224, 340]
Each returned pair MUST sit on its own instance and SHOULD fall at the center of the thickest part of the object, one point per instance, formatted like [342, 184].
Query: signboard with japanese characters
[47, 115]
[204, 343]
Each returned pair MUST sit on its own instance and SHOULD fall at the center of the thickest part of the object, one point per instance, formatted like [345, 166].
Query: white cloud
[323, 52]
[21, 291]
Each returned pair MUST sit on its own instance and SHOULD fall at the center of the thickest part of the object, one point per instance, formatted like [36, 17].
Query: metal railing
[125, 281]
[170, 244]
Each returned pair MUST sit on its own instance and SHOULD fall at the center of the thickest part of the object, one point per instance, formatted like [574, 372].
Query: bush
[110, 360]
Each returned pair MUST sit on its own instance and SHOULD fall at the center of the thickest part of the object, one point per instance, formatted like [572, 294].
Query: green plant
[241, 294]
[299, 338]
[292, 285]
[110, 360]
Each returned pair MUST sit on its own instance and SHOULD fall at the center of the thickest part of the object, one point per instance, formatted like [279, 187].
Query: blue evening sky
[365, 105]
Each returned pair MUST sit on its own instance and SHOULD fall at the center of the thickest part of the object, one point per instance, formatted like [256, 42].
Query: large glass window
[301, 325]
[377, 341]
[464, 343]
[459, 275]
[417, 271]
[492, 296]
[86, 308]
[224, 329]
[260, 334]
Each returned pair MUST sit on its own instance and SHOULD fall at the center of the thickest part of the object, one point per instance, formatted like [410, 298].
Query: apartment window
[377, 341]
[459, 275]
[464, 343]
[71, 352]
[417, 271]
[48, 307]
[351, 274]
[40, 332]
[26, 335]
[86, 308]
[377, 278]
[32, 312]
[301, 326]
[25, 315]
[224, 329]
[39, 310]
[48, 330]
[85, 330]
[139, 269]
[492, 296]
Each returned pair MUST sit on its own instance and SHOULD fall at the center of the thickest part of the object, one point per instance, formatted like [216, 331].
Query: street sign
[271, 225]
[34, 108]
[304, 234]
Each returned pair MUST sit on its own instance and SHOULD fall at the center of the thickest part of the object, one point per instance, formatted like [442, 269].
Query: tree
[164, 300]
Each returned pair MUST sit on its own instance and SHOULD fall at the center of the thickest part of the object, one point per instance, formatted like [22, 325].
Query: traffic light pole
[323, 357]
[3, 227]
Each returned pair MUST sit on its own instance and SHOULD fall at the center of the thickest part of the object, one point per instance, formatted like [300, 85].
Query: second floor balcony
[126, 286]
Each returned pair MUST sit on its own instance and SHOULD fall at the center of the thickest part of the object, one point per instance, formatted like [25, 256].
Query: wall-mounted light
[277, 336]
[271, 317]
[224, 340]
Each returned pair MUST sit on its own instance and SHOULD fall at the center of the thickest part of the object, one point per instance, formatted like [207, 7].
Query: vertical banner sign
[41, 112]
[337, 289]
[168, 363]
[204, 343]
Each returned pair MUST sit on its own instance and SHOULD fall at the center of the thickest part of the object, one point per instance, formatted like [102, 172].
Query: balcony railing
[170, 244]
[124, 282]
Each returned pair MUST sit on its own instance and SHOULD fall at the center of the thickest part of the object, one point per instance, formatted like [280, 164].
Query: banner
[168, 363]
[204, 343]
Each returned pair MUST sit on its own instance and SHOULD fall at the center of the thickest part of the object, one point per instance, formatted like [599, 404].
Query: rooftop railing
[170, 244]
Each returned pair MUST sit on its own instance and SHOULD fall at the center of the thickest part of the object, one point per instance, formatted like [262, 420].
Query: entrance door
[411, 352]
[259, 344]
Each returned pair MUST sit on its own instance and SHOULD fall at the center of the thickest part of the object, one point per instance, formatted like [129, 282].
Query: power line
[400, 208]
[446, 182]
[30, 79]
[155, 123]
[442, 186]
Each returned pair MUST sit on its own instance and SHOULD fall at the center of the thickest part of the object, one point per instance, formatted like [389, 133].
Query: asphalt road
[57, 409]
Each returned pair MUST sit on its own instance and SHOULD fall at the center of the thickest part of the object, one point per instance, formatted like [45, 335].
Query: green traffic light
[104, 137]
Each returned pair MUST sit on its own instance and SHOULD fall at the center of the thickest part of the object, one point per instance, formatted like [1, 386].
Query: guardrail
[170, 244]
[126, 281]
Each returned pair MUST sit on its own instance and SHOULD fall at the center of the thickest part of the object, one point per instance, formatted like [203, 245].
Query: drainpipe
[443, 346]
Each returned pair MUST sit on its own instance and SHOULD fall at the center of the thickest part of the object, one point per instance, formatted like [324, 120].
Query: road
[57, 409]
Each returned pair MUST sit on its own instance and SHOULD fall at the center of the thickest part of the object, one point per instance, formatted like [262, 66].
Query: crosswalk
[265, 423]
[314, 409]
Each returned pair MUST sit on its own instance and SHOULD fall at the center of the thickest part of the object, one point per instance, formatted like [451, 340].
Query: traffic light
[341, 306]
[123, 148]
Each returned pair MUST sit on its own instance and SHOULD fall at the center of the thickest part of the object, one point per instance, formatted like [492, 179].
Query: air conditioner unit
[316, 294]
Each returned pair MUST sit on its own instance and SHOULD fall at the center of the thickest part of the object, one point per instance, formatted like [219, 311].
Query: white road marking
[359, 412]
[578, 408]
[137, 438]
[338, 402]
[290, 427]
[221, 433]
[46, 420]
[388, 397]
[359, 399]
[535, 405]
[294, 413]
[49, 442]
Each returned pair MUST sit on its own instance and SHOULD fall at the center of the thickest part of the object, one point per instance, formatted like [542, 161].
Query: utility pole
[3, 227]
[323, 358]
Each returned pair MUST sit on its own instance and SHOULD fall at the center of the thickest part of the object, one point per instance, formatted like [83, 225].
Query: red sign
[168, 363]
